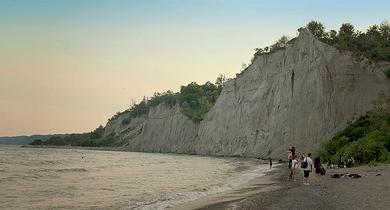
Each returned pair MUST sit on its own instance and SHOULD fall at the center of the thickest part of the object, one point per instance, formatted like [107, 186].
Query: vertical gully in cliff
[292, 83]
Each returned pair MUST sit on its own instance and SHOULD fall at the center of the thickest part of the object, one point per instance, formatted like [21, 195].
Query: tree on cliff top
[280, 44]
[374, 44]
[317, 29]
[221, 79]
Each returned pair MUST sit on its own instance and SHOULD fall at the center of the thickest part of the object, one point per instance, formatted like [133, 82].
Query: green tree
[97, 133]
[280, 44]
[317, 29]
[346, 31]
[221, 79]
[384, 29]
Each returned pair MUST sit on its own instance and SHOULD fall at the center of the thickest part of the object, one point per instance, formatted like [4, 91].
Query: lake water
[43, 178]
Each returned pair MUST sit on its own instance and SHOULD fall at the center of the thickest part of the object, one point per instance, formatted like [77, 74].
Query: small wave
[63, 170]
[238, 180]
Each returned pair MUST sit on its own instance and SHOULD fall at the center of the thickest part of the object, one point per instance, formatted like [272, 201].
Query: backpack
[304, 163]
[322, 170]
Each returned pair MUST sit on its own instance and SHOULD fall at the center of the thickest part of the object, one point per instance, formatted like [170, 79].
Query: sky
[66, 66]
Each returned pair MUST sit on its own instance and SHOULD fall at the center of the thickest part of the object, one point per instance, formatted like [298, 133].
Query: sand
[371, 191]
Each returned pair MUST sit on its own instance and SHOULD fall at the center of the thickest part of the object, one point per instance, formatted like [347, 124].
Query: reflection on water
[87, 179]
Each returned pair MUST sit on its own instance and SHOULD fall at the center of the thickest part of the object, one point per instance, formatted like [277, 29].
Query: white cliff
[300, 96]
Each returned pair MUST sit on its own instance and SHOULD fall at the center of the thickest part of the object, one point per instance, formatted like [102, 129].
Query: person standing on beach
[294, 168]
[317, 170]
[270, 163]
[289, 158]
[307, 166]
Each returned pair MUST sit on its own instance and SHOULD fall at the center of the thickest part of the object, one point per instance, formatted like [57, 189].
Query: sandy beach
[371, 191]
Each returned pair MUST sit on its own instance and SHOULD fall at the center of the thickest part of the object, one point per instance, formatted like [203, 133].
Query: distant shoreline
[121, 149]
[73, 147]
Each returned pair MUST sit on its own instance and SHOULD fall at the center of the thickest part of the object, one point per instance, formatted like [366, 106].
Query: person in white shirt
[307, 169]
[294, 167]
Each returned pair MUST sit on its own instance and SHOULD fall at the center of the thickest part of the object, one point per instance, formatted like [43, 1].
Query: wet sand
[260, 188]
[371, 191]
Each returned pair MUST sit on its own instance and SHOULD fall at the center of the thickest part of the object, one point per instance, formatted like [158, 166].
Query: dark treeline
[91, 139]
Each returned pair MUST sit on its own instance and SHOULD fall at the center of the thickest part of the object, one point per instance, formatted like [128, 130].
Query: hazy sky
[67, 66]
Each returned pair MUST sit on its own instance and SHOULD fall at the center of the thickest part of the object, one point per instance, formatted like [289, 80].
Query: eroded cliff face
[300, 96]
[164, 129]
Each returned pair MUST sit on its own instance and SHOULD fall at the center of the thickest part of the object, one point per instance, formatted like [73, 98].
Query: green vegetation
[91, 139]
[37, 142]
[195, 101]
[169, 98]
[374, 44]
[278, 45]
[367, 140]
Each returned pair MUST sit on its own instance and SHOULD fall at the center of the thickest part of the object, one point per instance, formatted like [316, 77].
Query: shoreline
[121, 149]
[233, 199]
[74, 147]
[260, 196]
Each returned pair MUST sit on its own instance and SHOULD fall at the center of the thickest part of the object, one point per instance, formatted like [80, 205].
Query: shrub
[366, 140]
[280, 44]
[373, 163]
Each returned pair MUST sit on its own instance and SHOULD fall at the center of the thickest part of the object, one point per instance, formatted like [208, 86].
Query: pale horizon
[69, 66]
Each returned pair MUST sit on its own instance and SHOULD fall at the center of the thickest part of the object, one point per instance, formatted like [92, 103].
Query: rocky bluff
[301, 95]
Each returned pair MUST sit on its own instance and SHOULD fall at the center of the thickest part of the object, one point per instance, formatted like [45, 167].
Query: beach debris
[379, 175]
[353, 176]
[336, 176]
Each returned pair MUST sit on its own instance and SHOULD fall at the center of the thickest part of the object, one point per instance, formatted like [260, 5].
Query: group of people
[342, 163]
[306, 164]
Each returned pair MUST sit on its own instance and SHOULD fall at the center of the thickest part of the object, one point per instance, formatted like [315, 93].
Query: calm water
[87, 179]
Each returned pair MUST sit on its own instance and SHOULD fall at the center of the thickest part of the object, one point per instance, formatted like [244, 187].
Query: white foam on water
[236, 181]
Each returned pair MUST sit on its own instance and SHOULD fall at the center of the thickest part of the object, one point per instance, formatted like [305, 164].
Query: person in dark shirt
[317, 167]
